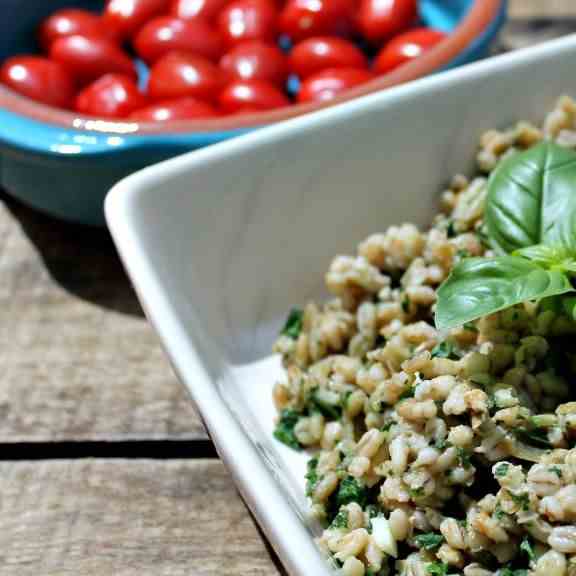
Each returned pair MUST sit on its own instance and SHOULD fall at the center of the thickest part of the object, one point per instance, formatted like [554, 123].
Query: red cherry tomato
[243, 20]
[207, 10]
[321, 52]
[89, 57]
[69, 22]
[406, 47]
[111, 96]
[182, 109]
[126, 17]
[178, 74]
[255, 61]
[166, 33]
[251, 96]
[302, 19]
[381, 19]
[40, 79]
[328, 84]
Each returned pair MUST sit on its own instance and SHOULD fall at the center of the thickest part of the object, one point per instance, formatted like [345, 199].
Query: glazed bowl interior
[466, 21]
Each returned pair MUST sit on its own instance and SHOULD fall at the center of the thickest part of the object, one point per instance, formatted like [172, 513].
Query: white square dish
[221, 243]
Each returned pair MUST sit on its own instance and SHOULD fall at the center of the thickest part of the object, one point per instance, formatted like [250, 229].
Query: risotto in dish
[436, 392]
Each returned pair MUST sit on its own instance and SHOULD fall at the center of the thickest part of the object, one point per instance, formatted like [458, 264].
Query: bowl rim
[479, 17]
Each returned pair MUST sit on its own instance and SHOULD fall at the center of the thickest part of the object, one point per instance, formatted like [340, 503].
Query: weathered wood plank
[126, 518]
[542, 8]
[534, 21]
[78, 360]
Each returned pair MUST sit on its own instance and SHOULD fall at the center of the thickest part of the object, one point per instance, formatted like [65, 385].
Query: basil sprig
[530, 218]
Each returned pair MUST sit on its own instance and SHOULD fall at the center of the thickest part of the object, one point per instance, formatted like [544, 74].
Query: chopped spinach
[350, 490]
[556, 470]
[340, 520]
[526, 547]
[285, 429]
[445, 349]
[464, 457]
[311, 476]
[437, 569]
[293, 325]
[429, 541]
[535, 437]
[502, 469]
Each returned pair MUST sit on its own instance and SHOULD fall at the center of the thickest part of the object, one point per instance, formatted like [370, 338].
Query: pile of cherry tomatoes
[206, 58]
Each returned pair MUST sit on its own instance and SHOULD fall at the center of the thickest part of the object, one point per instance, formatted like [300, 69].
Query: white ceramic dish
[221, 243]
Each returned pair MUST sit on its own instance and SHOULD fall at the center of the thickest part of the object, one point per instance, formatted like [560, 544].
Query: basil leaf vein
[532, 199]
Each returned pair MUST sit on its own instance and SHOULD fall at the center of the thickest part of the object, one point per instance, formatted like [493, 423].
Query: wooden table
[104, 465]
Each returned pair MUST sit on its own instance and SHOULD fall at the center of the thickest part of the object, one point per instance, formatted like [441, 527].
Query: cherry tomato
[178, 74]
[251, 96]
[243, 20]
[321, 52]
[111, 96]
[406, 47]
[69, 22]
[381, 19]
[207, 10]
[166, 33]
[126, 17]
[89, 57]
[255, 61]
[302, 19]
[40, 79]
[182, 109]
[328, 84]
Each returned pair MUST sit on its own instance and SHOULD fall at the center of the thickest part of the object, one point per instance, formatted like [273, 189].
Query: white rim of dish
[270, 506]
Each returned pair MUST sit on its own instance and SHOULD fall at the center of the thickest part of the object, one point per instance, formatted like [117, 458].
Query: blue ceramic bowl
[64, 165]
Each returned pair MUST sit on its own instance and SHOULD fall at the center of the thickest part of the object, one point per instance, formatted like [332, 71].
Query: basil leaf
[556, 257]
[569, 306]
[532, 199]
[477, 287]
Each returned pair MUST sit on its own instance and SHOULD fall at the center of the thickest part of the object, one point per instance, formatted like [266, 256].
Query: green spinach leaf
[477, 287]
[293, 325]
[532, 199]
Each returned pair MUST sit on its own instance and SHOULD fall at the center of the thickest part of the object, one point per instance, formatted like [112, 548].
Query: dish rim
[297, 551]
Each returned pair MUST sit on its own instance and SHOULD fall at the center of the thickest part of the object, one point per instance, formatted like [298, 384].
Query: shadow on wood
[81, 259]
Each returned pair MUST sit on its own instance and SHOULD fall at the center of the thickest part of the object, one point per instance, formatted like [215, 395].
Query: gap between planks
[125, 450]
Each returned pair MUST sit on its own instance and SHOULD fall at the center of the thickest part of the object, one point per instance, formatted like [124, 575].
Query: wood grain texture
[126, 518]
[535, 21]
[78, 359]
[542, 8]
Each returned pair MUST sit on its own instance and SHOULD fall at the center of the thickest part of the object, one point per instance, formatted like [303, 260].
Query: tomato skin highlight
[72, 21]
[255, 60]
[327, 84]
[180, 109]
[379, 20]
[111, 96]
[406, 47]
[39, 79]
[126, 17]
[167, 33]
[178, 75]
[206, 10]
[89, 57]
[243, 20]
[321, 52]
[301, 19]
[251, 96]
